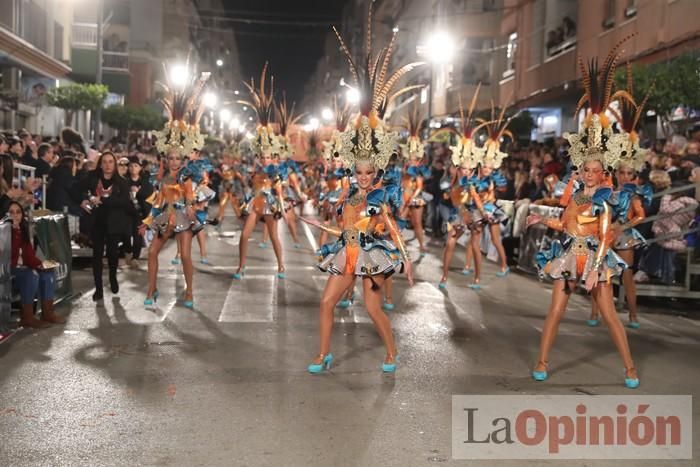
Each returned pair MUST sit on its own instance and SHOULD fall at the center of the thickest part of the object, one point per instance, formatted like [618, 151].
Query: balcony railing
[115, 61]
[85, 35]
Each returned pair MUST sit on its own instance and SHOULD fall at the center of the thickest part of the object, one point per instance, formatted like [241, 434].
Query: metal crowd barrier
[22, 174]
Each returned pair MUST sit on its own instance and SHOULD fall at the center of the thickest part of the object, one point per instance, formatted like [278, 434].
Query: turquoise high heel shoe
[281, 275]
[503, 273]
[188, 304]
[467, 271]
[540, 375]
[388, 307]
[297, 246]
[204, 261]
[442, 285]
[325, 364]
[475, 286]
[390, 367]
[262, 245]
[631, 383]
[344, 303]
[151, 300]
[238, 275]
[633, 325]
[176, 261]
[592, 322]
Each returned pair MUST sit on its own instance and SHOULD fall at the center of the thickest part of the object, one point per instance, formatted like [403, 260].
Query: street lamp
[219, 62]
[210, 100]
[179, 75]
[439, 49]
[225, 115]
[352, 95]
[327, 114]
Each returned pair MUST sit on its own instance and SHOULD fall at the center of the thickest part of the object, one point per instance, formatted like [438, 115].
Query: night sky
[292, 49]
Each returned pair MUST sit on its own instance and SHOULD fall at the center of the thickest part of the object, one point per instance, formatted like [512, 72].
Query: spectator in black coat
[45, 161]
[63, 190]
[106, 198]
[140, 189]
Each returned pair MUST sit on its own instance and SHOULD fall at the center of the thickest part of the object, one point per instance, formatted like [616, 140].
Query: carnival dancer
[267, 204]
[485, 211]
[414, 196]
[232, 180]
[174, 212]
[465, 157]
[289, 170]
[370, 245]
[631, 198]
[585, 255]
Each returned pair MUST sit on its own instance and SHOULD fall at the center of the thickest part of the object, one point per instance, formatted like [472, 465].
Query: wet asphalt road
[227, 384]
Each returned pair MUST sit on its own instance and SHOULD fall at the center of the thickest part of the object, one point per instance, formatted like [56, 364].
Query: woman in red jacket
[30, 277]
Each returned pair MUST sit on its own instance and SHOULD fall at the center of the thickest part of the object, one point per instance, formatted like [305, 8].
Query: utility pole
[98, 75]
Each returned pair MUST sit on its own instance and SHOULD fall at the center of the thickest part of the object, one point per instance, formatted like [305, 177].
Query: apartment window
[609, 21]
[511, 49]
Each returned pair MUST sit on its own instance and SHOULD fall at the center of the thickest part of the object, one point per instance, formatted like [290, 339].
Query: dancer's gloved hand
[409, 272]
[591, 280]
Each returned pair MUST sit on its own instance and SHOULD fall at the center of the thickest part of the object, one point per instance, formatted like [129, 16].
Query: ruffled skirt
[175, 217]
[496, 215]
[265, 204]
[629, 239]
[573, 260]
[378, 257]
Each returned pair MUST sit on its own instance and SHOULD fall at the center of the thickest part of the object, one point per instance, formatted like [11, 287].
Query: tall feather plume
[598, 81]
[381, 110]
[285, 115]
[497, 127]
[260, 100]
[414, 121]
[631, 112]
[371, 80]
[342, 115]
[468, 120]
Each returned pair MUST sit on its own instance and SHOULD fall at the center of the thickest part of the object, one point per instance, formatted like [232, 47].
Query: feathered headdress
[491, 155]
[286, 119]
[233, 146]
[366, 140]
[633, 156]
[263, 103]
[331, 148]
[466, 153]
[596, 140]
[413, 149]
[183, 105]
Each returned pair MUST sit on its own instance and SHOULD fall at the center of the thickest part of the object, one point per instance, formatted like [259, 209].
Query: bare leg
[248, 228]
[475, 243]
[350, 292]
[496, 240]
[388, 289]
[551, 324]
[186, 252]
[604, 296]
[202, 240]
[373, 303]
[271, 224]
[448, 253]
[469, 257]
[628, 283]
[222, 206]
[335, 288]
[153, 251]
[594, 308]
[266, 233]
[292, 224]
[417, 221]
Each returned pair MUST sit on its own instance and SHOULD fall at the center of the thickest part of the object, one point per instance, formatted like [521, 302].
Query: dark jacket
[113, 216]
[145, 189]
[42, 168]
[63, 191]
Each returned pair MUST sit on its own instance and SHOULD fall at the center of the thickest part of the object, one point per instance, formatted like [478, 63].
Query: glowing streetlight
[179, 75]
[440, 48]
[235, 123]
[245, 108]
[219, 62]
[396, 29]
[327, 114]
[236, 92]
[210, 100]
[250, 119]
[313, 121]
[225, 115]
[353, 96]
